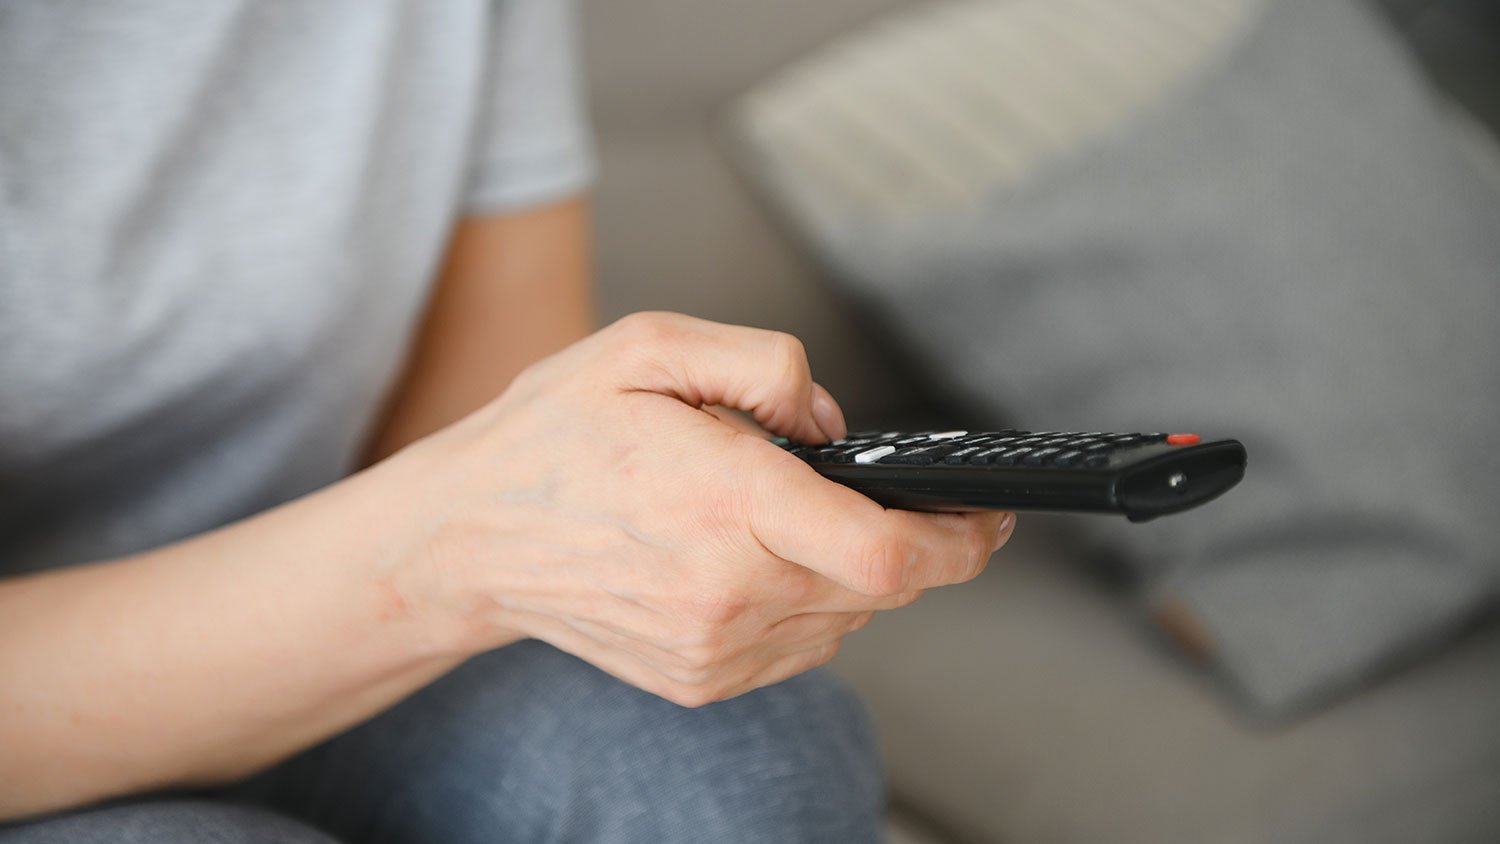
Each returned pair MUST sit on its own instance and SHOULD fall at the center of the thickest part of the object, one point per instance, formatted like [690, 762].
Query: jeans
[528, 744]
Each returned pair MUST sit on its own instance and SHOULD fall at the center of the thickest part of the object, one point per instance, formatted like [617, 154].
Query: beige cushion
[1030, 707]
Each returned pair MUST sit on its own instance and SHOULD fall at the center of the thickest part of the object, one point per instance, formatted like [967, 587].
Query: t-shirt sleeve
[533, 143]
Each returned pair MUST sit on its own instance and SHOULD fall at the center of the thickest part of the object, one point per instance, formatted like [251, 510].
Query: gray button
[948, 435]
[874, 454]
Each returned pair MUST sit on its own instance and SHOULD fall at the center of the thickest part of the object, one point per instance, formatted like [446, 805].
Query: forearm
[514, 288]
[210, 659]
[206, 660]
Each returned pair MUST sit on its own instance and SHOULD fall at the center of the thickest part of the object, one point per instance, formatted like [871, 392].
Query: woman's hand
[593, 505]
[597, 507]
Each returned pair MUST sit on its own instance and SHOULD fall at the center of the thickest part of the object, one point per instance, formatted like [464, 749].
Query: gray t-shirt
[218, 226]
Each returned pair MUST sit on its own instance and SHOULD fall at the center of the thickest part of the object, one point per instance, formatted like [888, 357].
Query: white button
[874, 454]
[948, 435]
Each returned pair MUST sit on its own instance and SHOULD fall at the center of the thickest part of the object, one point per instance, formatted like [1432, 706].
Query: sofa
[1034, 705]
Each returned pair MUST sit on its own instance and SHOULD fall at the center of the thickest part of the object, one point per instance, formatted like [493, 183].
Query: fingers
[826, 411]
[688, 686]
[802, 631]
[764, 373]
[829, 415]
[839, 599]
[844, 536]
[790, 666]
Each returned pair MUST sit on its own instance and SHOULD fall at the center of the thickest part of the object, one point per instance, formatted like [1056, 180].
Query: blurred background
[1276, 159]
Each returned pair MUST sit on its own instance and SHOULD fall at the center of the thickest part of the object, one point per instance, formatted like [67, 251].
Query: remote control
[1141, 476]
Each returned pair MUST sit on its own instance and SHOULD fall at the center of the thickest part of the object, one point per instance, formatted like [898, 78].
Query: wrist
[424, 579]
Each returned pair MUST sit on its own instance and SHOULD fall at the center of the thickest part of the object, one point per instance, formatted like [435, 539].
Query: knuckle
[799, 588]
[881, 567]
[699, 660]
[527, 380]
[790, 353]
[715, 608]
[828, 652]
[695, 677]
[648, 327]
[788, 348]
[690, 695]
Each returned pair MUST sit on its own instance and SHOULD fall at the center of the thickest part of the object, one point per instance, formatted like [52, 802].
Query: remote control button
[874, 454]
[1183, 439]
[947, 435]
[1009, 457]
[1002, 457]
[991, 436]
[1095, 461]
[1068, 458]
[1040, 456]
[986, 455]
[965, 455]
[919, 456]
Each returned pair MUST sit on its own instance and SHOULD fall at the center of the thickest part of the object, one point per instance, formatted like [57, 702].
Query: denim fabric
[528, 744]
[169, 821]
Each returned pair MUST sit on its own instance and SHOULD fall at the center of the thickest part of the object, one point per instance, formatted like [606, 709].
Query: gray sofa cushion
[1285, 244]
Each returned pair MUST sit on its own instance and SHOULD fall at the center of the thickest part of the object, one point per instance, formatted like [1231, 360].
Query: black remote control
[1139, 475]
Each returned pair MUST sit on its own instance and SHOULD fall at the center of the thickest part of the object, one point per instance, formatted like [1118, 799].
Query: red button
[1183, 439]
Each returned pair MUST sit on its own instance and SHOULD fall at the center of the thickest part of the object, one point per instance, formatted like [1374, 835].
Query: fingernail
[827, 414]
[1004, 533]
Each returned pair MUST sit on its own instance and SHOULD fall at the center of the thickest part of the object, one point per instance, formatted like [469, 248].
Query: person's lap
[529, 744]
[166, 821]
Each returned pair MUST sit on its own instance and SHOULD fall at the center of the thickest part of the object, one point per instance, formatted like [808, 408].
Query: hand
[595, 505]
